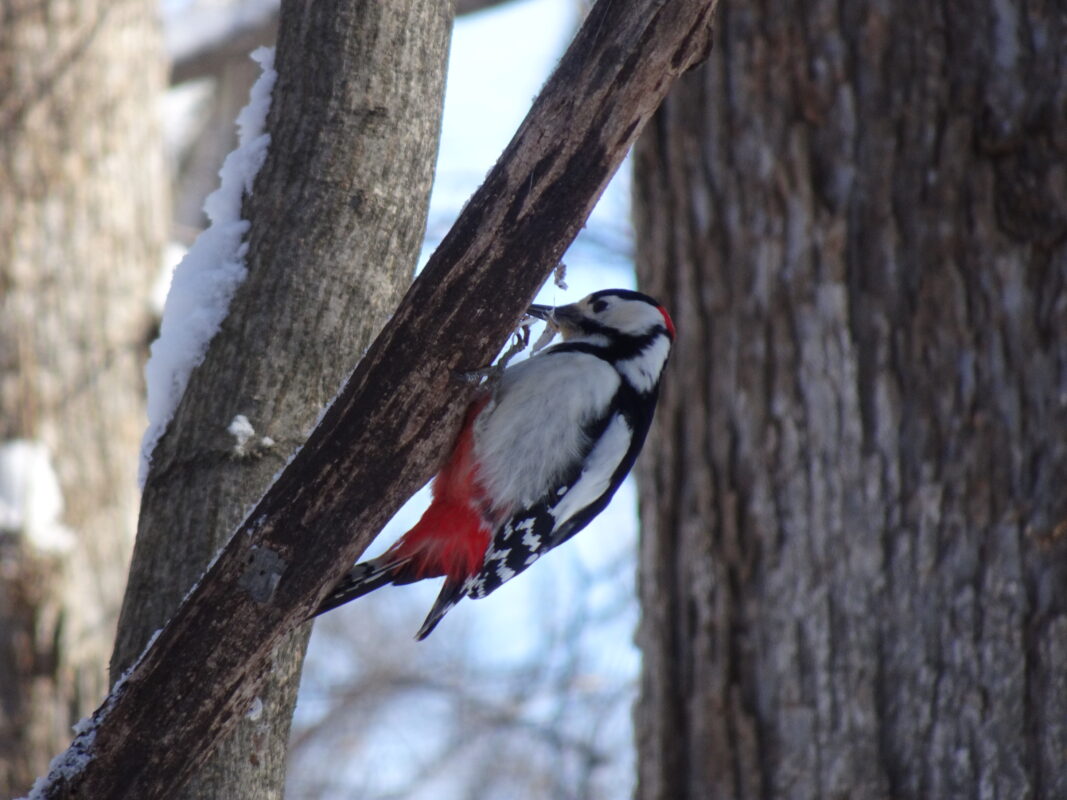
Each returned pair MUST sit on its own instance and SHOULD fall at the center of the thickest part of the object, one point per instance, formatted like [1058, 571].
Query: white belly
[531, 432]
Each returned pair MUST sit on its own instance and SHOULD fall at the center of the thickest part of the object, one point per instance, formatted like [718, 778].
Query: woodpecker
[538, 456]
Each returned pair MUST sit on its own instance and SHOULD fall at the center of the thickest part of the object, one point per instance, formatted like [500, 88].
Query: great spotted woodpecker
[538, 456]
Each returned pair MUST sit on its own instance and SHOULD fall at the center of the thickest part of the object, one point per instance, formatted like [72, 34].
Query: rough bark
[854, 560]
[337, 213]
[82, 222]
[383, 434]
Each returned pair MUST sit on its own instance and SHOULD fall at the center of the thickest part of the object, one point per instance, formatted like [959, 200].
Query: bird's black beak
[567, 320]
[541, 312]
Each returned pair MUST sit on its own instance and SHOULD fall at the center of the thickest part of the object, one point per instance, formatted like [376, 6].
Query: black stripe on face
[620, 347]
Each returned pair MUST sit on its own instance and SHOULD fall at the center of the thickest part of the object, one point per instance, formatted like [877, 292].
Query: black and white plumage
[538, 457]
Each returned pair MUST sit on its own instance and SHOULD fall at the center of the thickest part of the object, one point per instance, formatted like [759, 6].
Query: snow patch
[72, 761]
[83, 725]
[241, 430]
[255, 709]
[173, 253]
[67, 765]
[31, 501]
[205, 281]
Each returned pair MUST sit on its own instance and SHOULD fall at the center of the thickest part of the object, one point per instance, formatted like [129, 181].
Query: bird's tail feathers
[362, 579]
[451, 593]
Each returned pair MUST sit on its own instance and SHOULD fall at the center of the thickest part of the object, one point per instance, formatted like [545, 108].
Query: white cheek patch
[633, 317]
[600, 466]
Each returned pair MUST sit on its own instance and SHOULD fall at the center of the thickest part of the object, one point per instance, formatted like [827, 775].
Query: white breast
[531, 432]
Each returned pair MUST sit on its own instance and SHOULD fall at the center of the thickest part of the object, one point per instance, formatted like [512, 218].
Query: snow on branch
[206, 279]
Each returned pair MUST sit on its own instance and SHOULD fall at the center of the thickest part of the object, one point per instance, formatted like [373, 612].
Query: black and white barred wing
[532, 532]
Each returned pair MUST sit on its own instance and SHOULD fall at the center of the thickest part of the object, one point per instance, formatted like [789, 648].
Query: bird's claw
[475, 376]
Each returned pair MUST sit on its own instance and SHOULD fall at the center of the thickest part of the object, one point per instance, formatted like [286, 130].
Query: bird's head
[609, 313]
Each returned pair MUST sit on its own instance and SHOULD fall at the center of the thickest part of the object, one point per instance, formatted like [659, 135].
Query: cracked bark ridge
[854, 560]
[382, 436]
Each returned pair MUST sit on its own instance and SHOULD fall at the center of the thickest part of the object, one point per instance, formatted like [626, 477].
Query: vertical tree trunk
[854, 562]
[82, 221]
[337, 213]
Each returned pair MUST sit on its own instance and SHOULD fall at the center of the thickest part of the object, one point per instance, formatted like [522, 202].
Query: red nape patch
[667, 321]
[449, 540]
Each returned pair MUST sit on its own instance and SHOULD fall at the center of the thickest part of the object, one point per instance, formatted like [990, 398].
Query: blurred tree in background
[82, 225]
[853, 565]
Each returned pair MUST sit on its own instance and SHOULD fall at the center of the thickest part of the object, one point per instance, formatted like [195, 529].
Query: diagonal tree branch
[384, 432]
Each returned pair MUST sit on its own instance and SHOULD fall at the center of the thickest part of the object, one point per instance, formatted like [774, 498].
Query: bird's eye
[599, 306]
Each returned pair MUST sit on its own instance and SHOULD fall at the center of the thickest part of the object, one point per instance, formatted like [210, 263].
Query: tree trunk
[82, 224]
[338, 213]
[855, 550]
